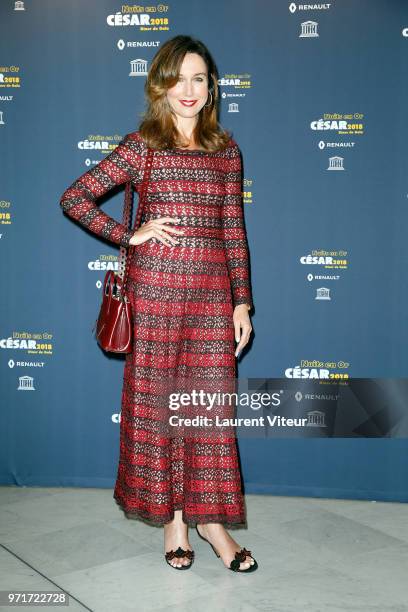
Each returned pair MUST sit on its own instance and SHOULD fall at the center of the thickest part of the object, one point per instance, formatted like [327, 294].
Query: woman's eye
[197, 79]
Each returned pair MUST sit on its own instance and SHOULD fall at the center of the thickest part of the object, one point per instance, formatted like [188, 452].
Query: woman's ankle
[177, 519]
[214, 527]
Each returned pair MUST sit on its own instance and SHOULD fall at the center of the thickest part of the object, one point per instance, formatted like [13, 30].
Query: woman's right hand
[155, 228]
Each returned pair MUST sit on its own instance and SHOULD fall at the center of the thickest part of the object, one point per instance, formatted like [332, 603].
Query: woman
[189, 289]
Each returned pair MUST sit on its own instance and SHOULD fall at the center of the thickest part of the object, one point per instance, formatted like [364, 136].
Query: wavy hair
[157, 127]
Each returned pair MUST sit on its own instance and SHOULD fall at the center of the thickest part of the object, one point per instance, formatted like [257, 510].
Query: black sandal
[179, 553]
[239, 557]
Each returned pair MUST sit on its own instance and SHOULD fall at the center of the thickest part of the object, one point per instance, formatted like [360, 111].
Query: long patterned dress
[182, 300]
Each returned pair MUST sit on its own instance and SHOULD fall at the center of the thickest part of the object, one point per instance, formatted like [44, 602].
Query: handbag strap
[127, 217]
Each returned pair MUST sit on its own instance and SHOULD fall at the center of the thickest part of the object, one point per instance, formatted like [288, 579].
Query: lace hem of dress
[238, 521]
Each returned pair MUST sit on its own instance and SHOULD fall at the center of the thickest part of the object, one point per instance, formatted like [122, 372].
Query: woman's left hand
[242, 326]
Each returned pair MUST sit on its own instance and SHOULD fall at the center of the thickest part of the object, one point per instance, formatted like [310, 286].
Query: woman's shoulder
[232, 142]
[135, 137]
[233, 148]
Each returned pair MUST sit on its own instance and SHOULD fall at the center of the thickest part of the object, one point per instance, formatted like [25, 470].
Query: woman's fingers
[162, 220]
[169, 240]
[159, 224]
[161, 232]
[170, 229]
[242, 337]
[155, 228]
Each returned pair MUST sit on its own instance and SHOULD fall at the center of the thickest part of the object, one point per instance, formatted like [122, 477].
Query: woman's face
[192, 86]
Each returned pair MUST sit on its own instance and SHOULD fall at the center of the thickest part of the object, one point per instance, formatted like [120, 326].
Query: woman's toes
[247, 563]
[187, 561]
[179, 561]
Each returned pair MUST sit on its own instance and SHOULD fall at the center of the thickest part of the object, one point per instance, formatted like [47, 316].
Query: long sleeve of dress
[234, 233]
[78, 201]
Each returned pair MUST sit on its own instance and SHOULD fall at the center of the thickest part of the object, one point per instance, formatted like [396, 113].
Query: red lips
[188, 102]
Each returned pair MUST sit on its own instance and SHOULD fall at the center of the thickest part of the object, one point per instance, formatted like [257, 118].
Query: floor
[314, 555]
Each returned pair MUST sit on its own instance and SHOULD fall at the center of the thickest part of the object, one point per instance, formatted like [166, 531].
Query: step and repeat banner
[315, 94]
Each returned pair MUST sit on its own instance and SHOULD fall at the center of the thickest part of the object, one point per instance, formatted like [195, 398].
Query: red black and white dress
[182, 300]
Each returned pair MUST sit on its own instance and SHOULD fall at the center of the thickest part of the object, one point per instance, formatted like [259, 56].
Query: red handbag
[114, 325]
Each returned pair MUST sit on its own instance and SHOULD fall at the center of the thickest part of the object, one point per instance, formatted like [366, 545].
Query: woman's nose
[188, 88]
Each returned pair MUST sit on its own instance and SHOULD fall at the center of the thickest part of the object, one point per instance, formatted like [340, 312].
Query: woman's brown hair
[157, 127]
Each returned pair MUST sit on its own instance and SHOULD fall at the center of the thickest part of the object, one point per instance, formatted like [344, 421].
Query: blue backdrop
[316, 97]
